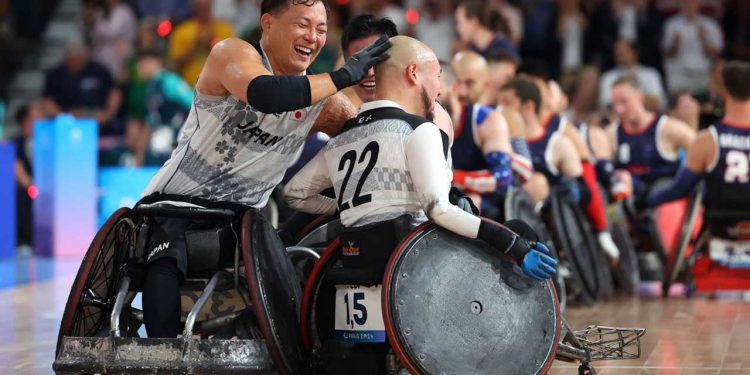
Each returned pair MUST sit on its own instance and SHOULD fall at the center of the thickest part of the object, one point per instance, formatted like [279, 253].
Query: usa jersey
[641, 154]
[228, 151]
[728, 178]
[466, 154]
[368, 168]
[542, 148]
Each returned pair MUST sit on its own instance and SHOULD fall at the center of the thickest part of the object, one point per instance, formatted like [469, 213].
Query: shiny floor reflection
[698, 336]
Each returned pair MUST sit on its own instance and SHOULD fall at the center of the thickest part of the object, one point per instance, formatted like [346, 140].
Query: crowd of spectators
[134, 63]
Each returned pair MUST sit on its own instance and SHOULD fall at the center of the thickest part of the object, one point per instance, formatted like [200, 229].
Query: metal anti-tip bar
[114, 318]
[207, 291]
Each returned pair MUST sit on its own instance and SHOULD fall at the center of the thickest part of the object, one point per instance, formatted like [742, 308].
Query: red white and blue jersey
[641, 154]
[728, 178]
[541, 148]
[466, 153]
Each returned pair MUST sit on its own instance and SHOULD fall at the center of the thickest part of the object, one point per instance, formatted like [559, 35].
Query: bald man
[484, 158]
[390, 172]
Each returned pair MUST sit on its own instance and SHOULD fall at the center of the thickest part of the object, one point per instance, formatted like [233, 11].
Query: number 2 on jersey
[738, 167]
[347, 161]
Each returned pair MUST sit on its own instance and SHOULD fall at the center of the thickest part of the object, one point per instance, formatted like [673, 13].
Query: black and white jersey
[228, 151]
[384, 164]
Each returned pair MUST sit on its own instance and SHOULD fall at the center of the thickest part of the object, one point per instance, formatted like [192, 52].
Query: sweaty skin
[233, 63]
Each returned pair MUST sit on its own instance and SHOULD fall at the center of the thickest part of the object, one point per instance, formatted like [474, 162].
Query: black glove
[458, 198]
[356, 67]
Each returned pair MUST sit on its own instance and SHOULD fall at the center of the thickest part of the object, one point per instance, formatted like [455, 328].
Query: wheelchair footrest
[107, 355]
[611, 342]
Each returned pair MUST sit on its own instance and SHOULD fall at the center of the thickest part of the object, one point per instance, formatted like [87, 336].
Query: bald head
[405, 51]
[470, 69]
[412, 70]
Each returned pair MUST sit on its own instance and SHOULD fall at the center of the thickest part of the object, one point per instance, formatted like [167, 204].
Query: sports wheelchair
[240, 305]
[715, 257]
[449, 305]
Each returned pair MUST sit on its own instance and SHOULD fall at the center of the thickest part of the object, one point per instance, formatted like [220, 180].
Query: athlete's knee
[537, 187]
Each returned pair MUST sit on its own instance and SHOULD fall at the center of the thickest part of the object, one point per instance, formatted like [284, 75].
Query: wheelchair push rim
[91, 296]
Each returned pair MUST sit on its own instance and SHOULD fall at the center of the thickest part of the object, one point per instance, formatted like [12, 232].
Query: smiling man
[253, 108]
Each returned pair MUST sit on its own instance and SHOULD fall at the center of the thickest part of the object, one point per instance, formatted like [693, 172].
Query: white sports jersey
[384, 164]
[227, 151]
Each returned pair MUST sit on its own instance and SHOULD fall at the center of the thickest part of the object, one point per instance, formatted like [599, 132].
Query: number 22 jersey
[368, 168]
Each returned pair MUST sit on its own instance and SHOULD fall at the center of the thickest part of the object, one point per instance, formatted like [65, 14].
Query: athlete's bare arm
[677, 135]
[233, 63]
[579, 146]
[337, 110]
[302, 191]
[514, 120]
[600, 143]
[443, 121]
[566, 159]
[701, 153]
[611, 132]
[493, 134]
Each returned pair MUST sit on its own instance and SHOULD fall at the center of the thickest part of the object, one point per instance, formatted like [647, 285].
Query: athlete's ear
[411, 74]
[265, 22]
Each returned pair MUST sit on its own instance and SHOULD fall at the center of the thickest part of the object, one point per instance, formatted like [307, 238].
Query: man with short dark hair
[358, 34]
[254, 106]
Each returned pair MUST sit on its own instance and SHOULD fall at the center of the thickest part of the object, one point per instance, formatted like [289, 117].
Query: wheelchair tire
[604, 275]
[518, 205]
[626, 274]
[91, 297]
[676, 259]
[577, 241]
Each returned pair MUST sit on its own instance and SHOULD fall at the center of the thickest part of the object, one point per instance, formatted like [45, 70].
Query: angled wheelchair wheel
[626, 274]
[92, 295]
[519, 205]
[456, 306]
[275, 295]
[676, 259]
[577, 241]
[312, 324]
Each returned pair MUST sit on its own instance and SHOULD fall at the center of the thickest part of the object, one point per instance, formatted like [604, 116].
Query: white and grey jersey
[384, 164]
[227, 151]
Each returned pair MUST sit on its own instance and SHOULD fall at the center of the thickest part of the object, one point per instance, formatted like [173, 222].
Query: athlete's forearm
[303, 190]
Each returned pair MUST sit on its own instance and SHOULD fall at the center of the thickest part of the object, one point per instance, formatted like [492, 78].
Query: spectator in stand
[111, 32]
[83, 88]
[435, 27]
[176, 10]
[514, 17]
[191, 41]
[244, 15]
[691, 41]
[736, 26]
[25, 117]
[501, 67]
[571, 27]
[168, 103]
[384, 9]
[626, 57]
[482, 28]
[637, 21]
[683, 106]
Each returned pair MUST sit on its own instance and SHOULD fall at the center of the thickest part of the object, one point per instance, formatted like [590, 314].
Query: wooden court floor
[698, 336]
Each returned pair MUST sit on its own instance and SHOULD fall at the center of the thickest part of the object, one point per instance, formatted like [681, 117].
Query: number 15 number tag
[358, 315]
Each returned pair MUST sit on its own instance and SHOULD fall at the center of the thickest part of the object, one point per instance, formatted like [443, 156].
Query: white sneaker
[608, 245]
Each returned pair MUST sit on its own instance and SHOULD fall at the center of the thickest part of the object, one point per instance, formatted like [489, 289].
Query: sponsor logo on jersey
[351, 249]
